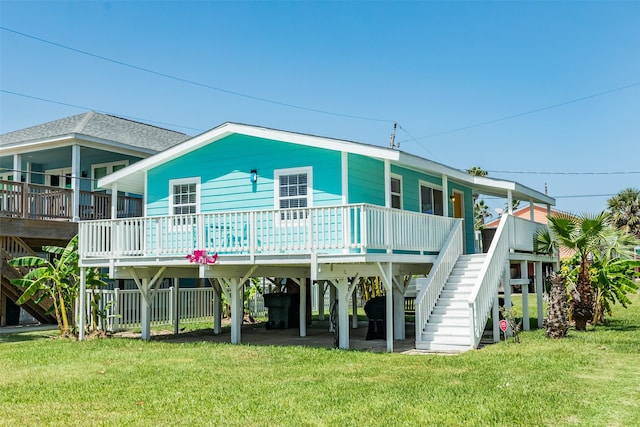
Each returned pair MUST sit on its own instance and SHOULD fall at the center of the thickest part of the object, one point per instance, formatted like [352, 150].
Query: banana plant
[58, 279]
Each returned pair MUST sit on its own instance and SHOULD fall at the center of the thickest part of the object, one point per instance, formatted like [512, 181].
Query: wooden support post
[342, 286]
[217, 307]
[302, 282]
[524, 270]
[507, 289]
[82, 320]
[539, 283]
[321, 290]
[236, 310]
[386, 276]
[495, 318]
[75, 182]
[145, 310]
[176, 306]
[399, 331]
[354, 308]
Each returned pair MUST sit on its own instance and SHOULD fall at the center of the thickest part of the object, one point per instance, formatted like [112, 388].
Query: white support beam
[539, 282]
[495, 317]
[399, 328]
[302, 305]
[82, 302]
[146, 287]
[75, 181]
[217, 306]
[236, 309]
[509, 202]
[507, 289]
[17, 168]
[524, 271]
[354, 308]
[386, 274]
[321, 290]
[445, 196]
[532, 211]
[114, 201]
[342, 288]
[176, 305]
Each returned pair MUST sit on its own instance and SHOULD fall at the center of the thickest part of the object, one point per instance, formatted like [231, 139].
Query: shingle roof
[102, 126]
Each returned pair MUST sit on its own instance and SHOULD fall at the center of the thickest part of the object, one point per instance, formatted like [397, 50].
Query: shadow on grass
[25, 337]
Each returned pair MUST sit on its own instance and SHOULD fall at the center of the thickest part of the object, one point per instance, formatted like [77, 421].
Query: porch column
[399, 332]
[82, 302]
[509, 202]
[302, 306]
[217, 307]
[75, 181]
[539, 282]
[236, 309]
[532, 215]
[386, 276]
[176, 305]
[321, 290]
[354, 308]
[524, 271]
[17, 167]
[495, 318]
[445, 196]
[114, 201]
[145, 310]
[506, 277]
[342, 287]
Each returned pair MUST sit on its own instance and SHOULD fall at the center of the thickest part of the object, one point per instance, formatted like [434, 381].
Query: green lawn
[590, 378]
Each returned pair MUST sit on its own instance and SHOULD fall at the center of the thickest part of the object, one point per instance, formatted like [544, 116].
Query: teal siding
[224, 167]
[366, 180]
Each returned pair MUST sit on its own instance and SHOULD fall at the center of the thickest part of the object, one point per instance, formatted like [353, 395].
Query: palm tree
[480, 213]
[557, 322]
[625, 210]
[583, 234]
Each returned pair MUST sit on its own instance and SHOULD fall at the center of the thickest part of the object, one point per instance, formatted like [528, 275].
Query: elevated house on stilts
[240, 202]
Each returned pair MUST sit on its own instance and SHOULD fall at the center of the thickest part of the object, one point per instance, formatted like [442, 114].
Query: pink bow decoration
[202, 257]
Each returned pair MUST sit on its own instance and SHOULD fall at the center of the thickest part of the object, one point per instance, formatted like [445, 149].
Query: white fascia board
[227, 129]
[36, 145]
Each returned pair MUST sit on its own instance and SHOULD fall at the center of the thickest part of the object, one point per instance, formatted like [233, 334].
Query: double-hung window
[293, 192]
[184, 196]
[396, 191]
[431, 201]
[103, 169]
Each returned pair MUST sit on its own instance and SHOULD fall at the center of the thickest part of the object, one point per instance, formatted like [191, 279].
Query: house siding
[366, 180]
[224, 167]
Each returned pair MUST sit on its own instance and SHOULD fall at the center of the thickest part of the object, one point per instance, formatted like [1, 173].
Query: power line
[567, 173]
[537, 110]
[192, 82]
[99, 111]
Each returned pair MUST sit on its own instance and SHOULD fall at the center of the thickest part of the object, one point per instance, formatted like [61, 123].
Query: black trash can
[284, 310]
[13, 313]
[376, 309]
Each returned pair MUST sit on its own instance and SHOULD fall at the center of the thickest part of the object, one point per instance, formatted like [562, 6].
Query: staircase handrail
[482, 295]
[429, 292]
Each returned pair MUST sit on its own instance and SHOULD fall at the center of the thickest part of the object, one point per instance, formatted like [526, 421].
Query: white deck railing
[352, 228]
[512, 234]
[432, 286]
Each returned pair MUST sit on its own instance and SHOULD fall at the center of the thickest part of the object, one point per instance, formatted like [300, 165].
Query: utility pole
[392, 142]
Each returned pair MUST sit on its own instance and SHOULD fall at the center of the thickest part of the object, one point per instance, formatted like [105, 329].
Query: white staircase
[449, 326]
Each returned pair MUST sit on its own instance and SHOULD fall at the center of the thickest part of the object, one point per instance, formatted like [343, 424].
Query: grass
[589, 378]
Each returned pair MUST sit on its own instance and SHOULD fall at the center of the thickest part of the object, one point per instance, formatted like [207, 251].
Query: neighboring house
[540, 215]
[48, 176]
[242, 201]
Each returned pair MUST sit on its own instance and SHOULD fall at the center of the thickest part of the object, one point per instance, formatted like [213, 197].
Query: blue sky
[452, 75]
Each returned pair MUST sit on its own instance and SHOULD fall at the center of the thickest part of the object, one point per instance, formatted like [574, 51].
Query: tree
[625, 211]
[584, 235]
[557, 322]
[58, 279]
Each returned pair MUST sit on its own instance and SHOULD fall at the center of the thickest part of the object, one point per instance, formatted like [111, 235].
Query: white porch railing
[512, 234]
[352, 228]
[121, 308]
[435, 282]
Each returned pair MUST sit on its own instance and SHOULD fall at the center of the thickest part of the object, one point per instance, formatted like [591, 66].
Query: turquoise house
[260, 202]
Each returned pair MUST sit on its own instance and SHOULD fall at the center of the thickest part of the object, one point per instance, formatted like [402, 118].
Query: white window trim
[109, 166]
[398, 177]
[62, 172]
[181, 181]
[431, 185]
[276, 189]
